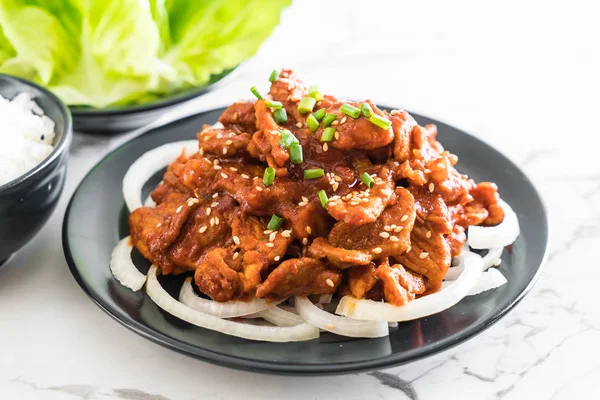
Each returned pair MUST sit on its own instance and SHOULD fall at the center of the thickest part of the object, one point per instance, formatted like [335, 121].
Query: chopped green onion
[350, 110]
[366, 178]
[366, 110]
[329, 118]
[314, 92]
[306, 105]
[274, 76]
[269, 176]
[314, 173]
[287, 139]
[296, 153]
[380, 121]
[319, 114]
[327, 135]
[280, 116]
[273, 104]
[323, 197]
[275, 222]
[256, 92]
[312, 123]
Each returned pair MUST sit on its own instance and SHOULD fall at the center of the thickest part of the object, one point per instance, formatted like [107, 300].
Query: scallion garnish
[280, 116]
[287, 139]
[256, 92]
[328, 119]
[314, 173]
[323, 197]
[380, 121]
[350, 110]
[366, 178]
[269, 176]
[275, 222]
[313, 91]
[273, 104]
[306, 105]
[319, 114]
[366, 110]
[296, 153]
[274, 76]
[328, 134]
[312, 123]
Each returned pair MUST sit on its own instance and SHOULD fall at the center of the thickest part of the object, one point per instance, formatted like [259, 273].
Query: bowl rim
[61, 145]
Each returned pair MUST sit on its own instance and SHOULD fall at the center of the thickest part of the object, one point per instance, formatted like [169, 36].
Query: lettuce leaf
[102, 53]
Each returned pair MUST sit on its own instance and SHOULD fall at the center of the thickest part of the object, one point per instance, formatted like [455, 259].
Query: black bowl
[27, 202]
[113, 120]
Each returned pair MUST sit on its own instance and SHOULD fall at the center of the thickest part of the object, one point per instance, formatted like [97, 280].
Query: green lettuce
[102, 53]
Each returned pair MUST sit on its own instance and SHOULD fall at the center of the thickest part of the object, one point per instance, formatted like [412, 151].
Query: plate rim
[287, 368]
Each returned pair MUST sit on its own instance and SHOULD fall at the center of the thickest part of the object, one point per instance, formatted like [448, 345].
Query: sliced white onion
[325, 299]
[162, 299]
[339, 325]
[280, 317]
[229, 309]
[491, 257]
[147, 165]
[123, 268]
[490, 279]
[421, 307]
[503, 234]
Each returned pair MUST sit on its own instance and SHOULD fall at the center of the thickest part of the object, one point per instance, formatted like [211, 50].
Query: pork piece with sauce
[301, 193]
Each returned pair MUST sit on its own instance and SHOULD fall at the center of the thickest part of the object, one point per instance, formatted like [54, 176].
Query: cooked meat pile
[396, 212]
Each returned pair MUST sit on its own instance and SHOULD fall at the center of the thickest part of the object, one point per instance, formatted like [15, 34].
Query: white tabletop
[523, 76]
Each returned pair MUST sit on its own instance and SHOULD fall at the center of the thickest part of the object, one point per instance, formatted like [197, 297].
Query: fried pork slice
[402, 126]
[215, 278]
[289, 90]
[258, 247]
[429, 255]
[339, 257]
[364, 206]
[486, 193]
[361, 279]
[266, 140]
[399, 285]
[300, 277]
[239, 116]
[222, 142]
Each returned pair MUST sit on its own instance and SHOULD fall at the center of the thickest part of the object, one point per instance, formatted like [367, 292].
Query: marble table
[523, 76]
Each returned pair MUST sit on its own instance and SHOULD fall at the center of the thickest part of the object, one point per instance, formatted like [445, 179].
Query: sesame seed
[305, 241]
[384, 235]
[274, 132]
[387, 228]
[404, 218]
[236, 240]
[214, 196]
[354, 203]
[365, 200]
[203, 229]
[224, 150]
[393, 226]
[398, 229]
[336, 122]
[191, 201]
[214, 204]
[158, 225]
[441, 165]
[325, 147]
[217, 221]
[343, 120]
[217, 167]
[377, 250]
[428, 234]
[225, 176]
[335, 186]
[423, 255]
[229, 142]
[286, 234]
[298, 125]
[394, 112]
[216, 161]
[337, 178]
[270, 244]
[302, 204]
[208, 210]
[212, 221]
[498, 262]
[393, 238]
[267, 232]
[277, 258]
[305, 199]
[234, 169]
[178, 209]
[235, 255]
[245, 176]
[329, 283]
[309, 230]
[201, 151]
[206, 138]
[336, 135]
[431, 187]
[427, 170]
[272, 236]
[259, 188]
[408, 249]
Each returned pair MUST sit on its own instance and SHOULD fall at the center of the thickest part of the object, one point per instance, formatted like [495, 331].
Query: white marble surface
[523, 76]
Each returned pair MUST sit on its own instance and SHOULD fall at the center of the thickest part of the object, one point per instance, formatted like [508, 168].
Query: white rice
[26, 136]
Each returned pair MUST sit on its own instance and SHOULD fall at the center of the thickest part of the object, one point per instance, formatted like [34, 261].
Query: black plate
[96, 218]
